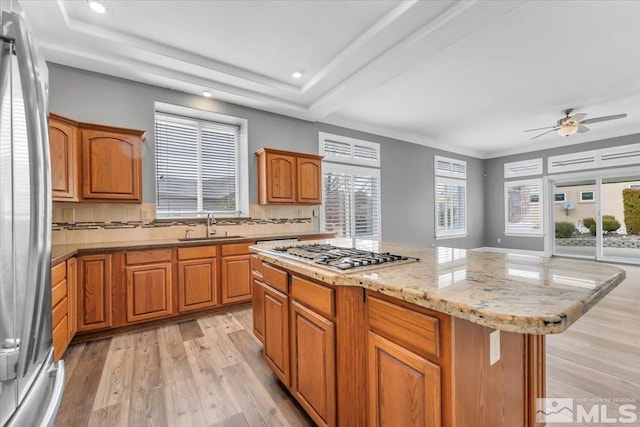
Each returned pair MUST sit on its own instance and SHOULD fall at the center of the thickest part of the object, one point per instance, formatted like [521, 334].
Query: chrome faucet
[211, 220]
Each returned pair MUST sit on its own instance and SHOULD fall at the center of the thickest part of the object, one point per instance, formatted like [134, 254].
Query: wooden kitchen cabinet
[276, 332]
[72, 286]
[60, 309]
[404, 388]
[309, 180]
[94, 292]
[258, 310]
[65, 158]
[197, 278]
[236, 278]
[286, 177]
[313, 364]
[148, 283]
[111, 163]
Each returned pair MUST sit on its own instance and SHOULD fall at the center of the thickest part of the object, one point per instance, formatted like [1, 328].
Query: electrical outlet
[499, 240]
[494, 347]
[69, 215]
[145, 213]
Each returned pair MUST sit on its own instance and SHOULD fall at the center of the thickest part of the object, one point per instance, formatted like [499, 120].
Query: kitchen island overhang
[468, 294]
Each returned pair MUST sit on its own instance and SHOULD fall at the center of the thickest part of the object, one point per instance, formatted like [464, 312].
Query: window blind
[451, 206]
[342, 149]
[524, 207]
[196, 167]
[351, 205]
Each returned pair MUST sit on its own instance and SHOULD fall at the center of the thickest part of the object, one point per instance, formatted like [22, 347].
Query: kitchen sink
[194, 239]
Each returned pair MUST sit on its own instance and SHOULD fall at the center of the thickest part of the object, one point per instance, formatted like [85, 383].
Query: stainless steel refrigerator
[31, 383]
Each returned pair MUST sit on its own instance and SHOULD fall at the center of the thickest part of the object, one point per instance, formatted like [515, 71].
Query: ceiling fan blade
[578, 117]
[583, 129]
[544, 133]
[603, 119]
[547, 127]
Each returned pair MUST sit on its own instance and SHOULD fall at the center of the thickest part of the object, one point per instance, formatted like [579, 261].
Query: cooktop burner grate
[340, 258]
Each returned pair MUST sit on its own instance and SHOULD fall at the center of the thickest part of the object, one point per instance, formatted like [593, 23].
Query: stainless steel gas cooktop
[340, 258]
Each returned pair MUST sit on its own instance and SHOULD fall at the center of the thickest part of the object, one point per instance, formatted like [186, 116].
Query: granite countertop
[515, 293]
[61, 253]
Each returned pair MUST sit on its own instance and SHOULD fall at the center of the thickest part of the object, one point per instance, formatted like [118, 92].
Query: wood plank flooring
[599, 356]
[210, 372]
[204, 372]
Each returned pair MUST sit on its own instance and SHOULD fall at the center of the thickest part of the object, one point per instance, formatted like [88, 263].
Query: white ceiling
[466, 76]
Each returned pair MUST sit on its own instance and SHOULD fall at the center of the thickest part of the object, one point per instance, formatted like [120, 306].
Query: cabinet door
[236, 278]
[60, 309]
[72, 283]
[258, 310]
[111, 166]
[148, 291]
[404, 388]
[281, 178]
[276, 333]
[196, 284]
[309, 179]
[94, 292]
[313, 364]
[63, 147]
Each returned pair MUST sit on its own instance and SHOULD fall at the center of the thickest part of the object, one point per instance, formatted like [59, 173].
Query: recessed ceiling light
[207, 94]
[98, 6]
[296, 74]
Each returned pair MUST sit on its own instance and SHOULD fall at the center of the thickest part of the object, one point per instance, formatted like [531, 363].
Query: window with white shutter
[351, 194]
[523, 207]
[197, 167]
[451, 197]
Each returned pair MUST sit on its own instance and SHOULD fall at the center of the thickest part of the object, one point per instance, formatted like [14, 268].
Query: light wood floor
[204, 372]
[599, 356]
[210, 372]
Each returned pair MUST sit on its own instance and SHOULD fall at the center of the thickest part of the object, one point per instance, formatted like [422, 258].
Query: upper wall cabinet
[65, 158]
[286, 177]
[94, 163]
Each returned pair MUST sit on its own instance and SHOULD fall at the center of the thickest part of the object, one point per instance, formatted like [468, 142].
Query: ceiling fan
[568, 125]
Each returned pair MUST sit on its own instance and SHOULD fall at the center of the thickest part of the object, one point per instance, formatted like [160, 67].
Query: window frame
[564, 199]
[450, 177]
[242, 167]
[533, 232]
[352, 171]
[454, 233]
[592, 200]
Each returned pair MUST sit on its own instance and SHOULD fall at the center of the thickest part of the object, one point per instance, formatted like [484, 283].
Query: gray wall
[406, 172]
[494, 199]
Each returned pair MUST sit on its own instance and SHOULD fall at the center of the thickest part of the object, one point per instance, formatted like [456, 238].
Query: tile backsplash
[112, 222]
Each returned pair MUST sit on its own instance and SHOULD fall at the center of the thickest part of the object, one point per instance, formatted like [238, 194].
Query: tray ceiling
[464, 76]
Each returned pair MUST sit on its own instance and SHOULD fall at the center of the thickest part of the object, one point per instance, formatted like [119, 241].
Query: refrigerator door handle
[58, 388]
[39, 272]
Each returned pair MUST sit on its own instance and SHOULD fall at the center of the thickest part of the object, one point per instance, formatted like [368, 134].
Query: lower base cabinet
[404, 388]
[313, 364]
[149, 291]
[258, 310]
[94, 292]
[236, 278]
[276, 333]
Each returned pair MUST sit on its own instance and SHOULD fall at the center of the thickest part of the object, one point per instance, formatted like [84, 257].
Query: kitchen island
[416, 343]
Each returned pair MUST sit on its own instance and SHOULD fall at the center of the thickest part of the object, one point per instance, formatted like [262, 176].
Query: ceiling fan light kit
[568, 125]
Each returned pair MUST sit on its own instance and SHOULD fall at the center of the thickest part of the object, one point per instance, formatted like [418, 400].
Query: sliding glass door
[574, 212]
[621, 218]
[597, 218]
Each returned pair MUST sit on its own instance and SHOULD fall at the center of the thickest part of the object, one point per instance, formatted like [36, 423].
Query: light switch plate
[69, 215]
[145, 213]
[494, 347]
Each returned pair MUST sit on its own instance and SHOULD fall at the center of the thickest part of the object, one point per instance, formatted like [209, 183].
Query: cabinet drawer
[60, 334]
[415, 331]
[236, 249]
[59, 292]
[317, 297]
[275, 277]
[256, 266]
[198, 252]
[59, 311]
[150, 256]
[58, 273]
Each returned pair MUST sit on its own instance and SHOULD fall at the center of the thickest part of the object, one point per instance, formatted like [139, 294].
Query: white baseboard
[509, 251]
